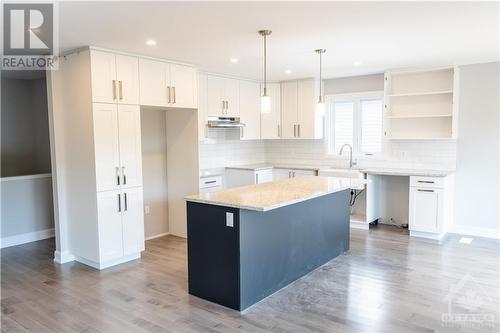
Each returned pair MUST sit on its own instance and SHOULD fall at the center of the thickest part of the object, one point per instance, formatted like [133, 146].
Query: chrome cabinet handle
[242, 134]
[421, 190]
[425, 181]
[223, 106]
[175, 99]
[210, 182]
[289, 174]
[256, 178]
[169, 95]
[126, 203]
[117, 171]
[294, 131]
[298, 130]
[114, 89]
[293, 174]
[120, 89]
[124, 176]
[278, 130]
[119, 202]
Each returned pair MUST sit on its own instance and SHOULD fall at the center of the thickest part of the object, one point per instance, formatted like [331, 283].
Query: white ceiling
[379, 35]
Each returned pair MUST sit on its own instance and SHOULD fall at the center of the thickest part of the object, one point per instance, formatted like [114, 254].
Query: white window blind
[343, 124]
[371, 125]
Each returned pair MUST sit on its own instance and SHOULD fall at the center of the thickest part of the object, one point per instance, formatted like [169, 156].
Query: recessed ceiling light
[151, 42]
[357, 63]
[288, 71]
[234, 60]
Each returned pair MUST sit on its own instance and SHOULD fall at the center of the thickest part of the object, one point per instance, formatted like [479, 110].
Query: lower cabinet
[244, 177]
[120, 225]
[279, 174]
[430, 206]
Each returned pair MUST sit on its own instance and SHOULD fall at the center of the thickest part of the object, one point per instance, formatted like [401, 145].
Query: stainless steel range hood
[224, 122]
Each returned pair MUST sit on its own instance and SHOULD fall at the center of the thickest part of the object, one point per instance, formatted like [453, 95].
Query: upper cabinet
[115, 78]
[298, 110]
[250, 110]
[223, 96]
[164, 84]
[270, 123]
[421, 104]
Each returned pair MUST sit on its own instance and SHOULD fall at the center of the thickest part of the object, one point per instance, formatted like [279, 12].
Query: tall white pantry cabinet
[99, 94]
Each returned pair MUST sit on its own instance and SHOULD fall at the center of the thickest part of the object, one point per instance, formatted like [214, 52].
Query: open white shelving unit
[421, 104]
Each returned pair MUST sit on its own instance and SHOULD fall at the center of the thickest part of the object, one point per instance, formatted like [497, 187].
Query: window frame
[356, 98]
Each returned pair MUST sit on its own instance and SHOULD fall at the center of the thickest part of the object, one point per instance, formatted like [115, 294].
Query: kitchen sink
[344, 173]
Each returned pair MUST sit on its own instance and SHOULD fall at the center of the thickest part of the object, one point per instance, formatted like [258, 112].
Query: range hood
[224, 122]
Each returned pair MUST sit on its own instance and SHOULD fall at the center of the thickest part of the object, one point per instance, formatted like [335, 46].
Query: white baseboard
[475, 231]
[157, 236]
[106, 264]
[359, 225]
[27, 238]
[63, 257]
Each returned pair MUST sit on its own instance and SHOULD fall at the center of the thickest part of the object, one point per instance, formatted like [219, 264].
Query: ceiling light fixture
[151, 42]
[357, 63]
[288, 71]
[233, 60]
[320, 107]
[265, 100]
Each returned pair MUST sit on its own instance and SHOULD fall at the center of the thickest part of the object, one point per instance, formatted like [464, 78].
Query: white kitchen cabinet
[243, 177]
[298, 110]
[250, 110]
[106, 146]
[211, 184]
[223, 96]
[133, 220]
[280, 173]
[109, 225]
[430, 206]
[270, 123]
[117, 144]
[120, 224]
[115, 78]
[129, 129]
[202, 107]
[167, 85]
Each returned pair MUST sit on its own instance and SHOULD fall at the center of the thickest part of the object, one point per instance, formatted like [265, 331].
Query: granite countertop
[268, 196]
[211, 172]
[265, 166]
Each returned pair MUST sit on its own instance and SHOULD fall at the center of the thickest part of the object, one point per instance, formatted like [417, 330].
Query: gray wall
[154, 169]
[24, 125]
[477, 178]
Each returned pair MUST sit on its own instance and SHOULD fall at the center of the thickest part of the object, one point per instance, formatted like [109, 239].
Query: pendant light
[265, 100]
[320, 106]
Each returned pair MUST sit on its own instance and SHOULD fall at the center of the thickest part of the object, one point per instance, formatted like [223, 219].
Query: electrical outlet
[229, 219]
[146, 209]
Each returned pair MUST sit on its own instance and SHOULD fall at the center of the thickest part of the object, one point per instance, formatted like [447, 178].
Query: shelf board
[420, 70]
[421, 139]
[426, 93]
[421, 116]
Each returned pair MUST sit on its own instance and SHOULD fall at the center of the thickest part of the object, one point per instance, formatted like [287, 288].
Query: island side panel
[213, 254]
[279, 246]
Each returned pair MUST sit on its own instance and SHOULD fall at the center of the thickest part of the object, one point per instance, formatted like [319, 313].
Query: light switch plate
[229, 219]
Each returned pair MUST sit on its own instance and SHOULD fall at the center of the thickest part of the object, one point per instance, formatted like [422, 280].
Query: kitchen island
[246, 243]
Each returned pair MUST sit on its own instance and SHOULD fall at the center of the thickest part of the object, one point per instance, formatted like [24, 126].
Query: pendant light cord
[265, 64]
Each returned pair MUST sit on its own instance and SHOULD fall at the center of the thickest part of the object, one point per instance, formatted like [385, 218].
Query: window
[356, 120]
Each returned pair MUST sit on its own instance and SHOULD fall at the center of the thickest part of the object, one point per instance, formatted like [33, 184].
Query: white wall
[477, 177]
[154, 171]
[25, 129]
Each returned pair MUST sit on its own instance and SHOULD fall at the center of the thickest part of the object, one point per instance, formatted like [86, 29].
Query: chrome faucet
[351, 162]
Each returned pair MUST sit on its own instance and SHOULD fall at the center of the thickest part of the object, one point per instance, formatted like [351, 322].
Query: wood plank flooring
[386, 283]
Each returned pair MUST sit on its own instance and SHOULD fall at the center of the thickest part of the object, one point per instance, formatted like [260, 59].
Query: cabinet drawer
[208, 182]
[428, 182]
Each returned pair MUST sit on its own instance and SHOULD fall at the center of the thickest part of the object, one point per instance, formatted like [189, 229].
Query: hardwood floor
[386, 283]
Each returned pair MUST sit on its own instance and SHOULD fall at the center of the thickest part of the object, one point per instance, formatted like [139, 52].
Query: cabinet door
[152, 82]
[127, 76]
[109, 206]
[250, 110]
[183, 83]
[107, 159]
[129, 128]
[232, 97]
[103, 73]
[306, 99]
[297, 173]
[133, 221]
[426, 206]
[215, 98]
[289, 109]
[264, 176]
[270, 122]
[279, 174]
